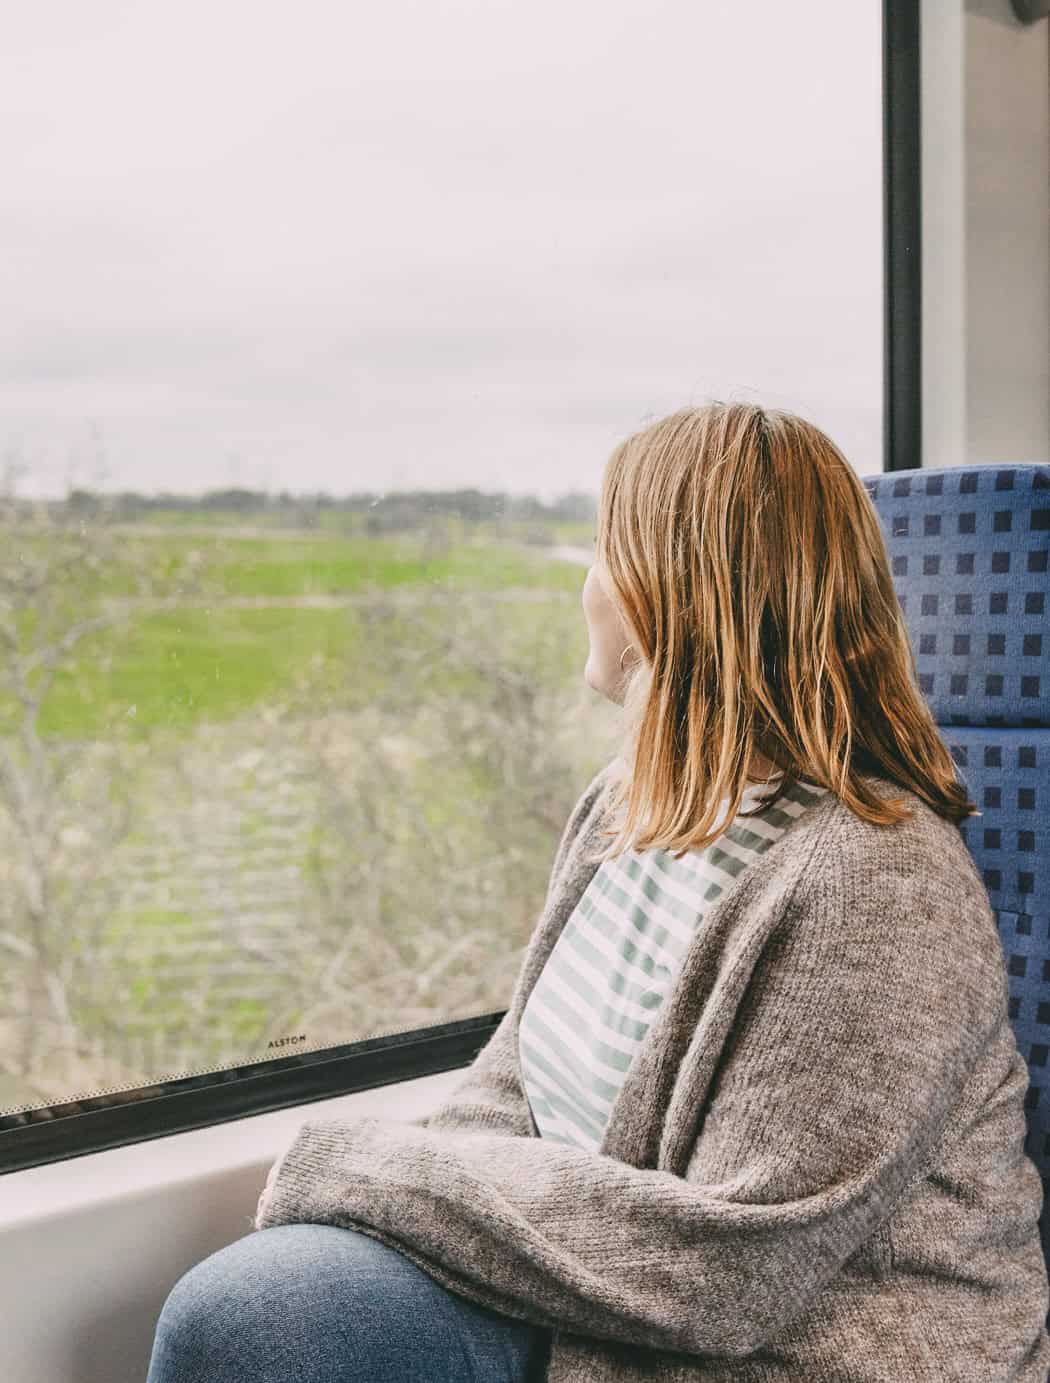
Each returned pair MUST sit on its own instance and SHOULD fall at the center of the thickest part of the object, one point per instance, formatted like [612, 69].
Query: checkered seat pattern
[968, 547]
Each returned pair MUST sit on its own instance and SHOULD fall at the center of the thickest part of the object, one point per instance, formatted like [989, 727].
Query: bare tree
[443, 802]
[433, 792]
[63, 801]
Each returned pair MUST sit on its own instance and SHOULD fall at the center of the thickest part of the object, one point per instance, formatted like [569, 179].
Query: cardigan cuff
[310, 1161]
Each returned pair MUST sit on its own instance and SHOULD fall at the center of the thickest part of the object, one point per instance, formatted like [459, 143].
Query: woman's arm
[860, 1027]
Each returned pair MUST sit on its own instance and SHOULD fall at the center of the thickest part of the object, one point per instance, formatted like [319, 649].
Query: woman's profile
[755, 1112]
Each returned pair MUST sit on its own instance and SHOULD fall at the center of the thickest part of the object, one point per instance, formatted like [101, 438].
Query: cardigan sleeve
[864, 1018]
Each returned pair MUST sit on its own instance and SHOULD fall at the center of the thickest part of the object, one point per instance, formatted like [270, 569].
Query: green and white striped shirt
[616, 960]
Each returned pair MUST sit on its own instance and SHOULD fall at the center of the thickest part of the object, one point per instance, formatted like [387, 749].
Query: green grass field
[220, 648]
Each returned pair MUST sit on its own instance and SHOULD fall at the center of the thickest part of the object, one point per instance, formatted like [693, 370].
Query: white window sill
[90, 1247]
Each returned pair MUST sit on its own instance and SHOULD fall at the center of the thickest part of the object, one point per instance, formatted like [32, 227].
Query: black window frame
[902, 236]
[57, 1132]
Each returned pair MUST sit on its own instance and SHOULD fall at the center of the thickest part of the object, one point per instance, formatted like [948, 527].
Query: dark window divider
[57, 1132]
[901, 236]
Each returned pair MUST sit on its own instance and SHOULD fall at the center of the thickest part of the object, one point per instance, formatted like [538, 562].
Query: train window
[320, 326]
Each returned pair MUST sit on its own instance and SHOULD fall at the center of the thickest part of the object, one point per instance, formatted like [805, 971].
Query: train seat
[969, 548]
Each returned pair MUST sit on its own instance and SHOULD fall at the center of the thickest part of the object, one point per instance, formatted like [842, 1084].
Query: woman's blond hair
[748, 563]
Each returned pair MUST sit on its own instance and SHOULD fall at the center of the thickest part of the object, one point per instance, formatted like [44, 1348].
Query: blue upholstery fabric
[969, 553]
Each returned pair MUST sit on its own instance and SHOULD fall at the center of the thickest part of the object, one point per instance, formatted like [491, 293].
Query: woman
[756, 1110]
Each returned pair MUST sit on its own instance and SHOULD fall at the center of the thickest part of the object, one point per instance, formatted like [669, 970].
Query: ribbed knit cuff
[305, 1162]
[318, 1166]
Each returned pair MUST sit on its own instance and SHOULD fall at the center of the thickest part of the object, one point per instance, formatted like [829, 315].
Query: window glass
[985, 148]
[320, 323]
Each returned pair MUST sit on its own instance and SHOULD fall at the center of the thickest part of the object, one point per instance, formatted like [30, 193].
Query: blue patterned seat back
[969, 551]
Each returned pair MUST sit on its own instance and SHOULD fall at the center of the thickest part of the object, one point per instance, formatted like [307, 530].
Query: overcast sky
[343, 246]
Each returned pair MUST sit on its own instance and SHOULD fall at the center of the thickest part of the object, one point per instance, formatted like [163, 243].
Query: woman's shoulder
[918, 869]
[921, 838]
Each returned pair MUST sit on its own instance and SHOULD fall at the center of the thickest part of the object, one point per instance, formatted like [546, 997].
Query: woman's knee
[243, 1307]
[313, 1301]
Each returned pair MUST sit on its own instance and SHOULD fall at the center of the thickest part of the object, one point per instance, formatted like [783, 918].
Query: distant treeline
[396, 509]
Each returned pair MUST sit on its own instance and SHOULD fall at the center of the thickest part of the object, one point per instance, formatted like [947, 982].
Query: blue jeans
[317, 1304]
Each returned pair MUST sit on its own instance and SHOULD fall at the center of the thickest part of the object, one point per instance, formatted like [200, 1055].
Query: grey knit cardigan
[814, 1170]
